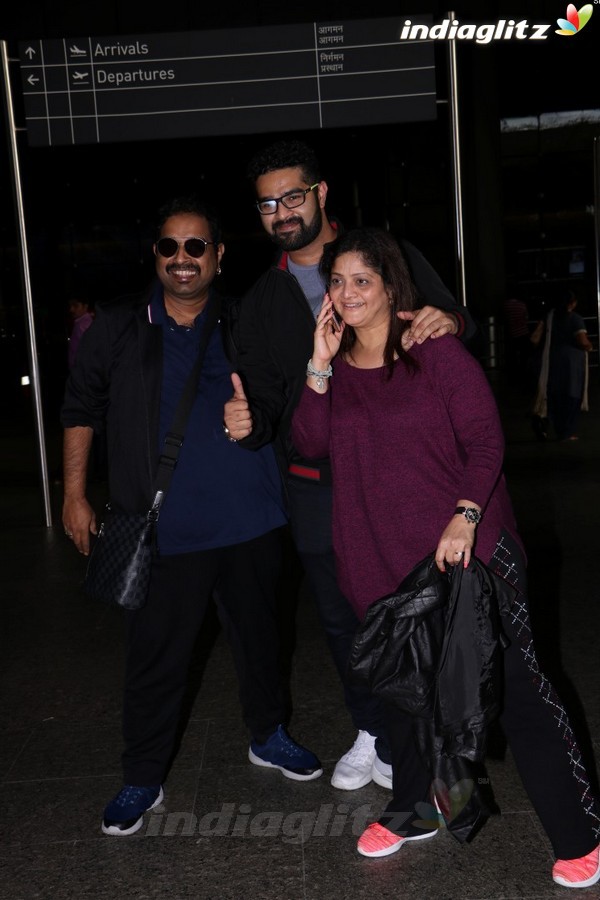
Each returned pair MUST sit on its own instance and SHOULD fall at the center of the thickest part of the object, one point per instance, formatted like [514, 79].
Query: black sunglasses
[194, 247]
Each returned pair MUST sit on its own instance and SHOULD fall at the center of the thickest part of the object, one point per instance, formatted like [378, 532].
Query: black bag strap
[174, 437]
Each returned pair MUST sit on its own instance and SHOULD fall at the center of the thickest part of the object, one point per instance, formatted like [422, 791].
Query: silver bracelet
[319, 376]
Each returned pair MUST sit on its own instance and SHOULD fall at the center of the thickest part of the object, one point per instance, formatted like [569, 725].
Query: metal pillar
[456, 168]
[596, 222]
[34, 372]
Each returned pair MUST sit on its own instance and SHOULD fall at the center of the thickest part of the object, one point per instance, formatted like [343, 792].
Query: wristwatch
[471, 514]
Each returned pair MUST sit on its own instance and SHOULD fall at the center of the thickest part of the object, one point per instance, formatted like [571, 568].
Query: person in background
[416, 447]
[82, 316]
[220, 526]
[517, 340]
[277, 319]
[562, 385]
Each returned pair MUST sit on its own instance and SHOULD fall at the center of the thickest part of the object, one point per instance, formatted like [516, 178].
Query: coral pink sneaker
[379, 841]
[578, 873]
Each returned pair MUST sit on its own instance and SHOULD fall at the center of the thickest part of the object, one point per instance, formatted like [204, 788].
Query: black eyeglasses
[290, 200]
[194, 247]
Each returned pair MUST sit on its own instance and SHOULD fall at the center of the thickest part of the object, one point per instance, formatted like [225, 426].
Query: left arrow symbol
[33, 80]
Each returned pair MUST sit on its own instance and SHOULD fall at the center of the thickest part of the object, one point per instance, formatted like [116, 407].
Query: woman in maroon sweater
[414, 438]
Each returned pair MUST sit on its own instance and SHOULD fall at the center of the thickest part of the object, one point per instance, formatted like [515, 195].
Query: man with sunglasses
[277, 322]
[220, 525]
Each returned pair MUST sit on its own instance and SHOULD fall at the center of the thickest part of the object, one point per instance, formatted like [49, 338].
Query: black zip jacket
[115, 387]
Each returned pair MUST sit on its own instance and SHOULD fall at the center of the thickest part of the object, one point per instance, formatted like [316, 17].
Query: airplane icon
[80, 76]
[75, 51]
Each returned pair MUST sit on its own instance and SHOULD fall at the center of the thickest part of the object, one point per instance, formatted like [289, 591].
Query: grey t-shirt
[311, 282]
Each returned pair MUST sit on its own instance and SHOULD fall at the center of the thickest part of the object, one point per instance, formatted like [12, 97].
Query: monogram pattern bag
[120, 563]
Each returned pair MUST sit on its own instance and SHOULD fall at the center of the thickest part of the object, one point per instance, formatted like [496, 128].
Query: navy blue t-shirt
[220, 494]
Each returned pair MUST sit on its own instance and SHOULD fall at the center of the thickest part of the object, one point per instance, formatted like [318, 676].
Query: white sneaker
[353, 770]
[381, 773]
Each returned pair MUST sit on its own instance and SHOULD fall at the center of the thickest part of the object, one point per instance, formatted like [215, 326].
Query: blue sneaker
[125, 813]
[281, 752]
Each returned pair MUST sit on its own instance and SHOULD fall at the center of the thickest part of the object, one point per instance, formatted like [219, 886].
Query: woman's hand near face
[328, 334]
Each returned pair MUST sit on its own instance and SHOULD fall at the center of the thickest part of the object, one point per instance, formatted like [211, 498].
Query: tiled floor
[227, 829]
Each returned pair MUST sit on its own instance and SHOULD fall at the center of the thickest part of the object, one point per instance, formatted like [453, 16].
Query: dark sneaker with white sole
[125, 812]
[283, 753]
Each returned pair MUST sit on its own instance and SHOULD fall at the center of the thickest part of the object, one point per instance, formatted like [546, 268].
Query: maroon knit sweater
[403, 451]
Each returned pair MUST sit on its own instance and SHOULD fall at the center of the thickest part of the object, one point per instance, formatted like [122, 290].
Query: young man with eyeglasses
[277, 322]
[220, 525]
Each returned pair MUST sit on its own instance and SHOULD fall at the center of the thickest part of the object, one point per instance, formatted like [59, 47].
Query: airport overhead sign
[92, 90]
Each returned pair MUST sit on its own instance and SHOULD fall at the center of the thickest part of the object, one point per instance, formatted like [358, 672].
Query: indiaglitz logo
[575, 21]
[454, 30]
[502, 30]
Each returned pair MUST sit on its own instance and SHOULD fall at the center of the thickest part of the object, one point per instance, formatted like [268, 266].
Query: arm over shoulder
[434, 292]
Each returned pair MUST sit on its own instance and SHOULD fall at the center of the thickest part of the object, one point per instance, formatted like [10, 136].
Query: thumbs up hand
[238, 387]
[237, 418]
